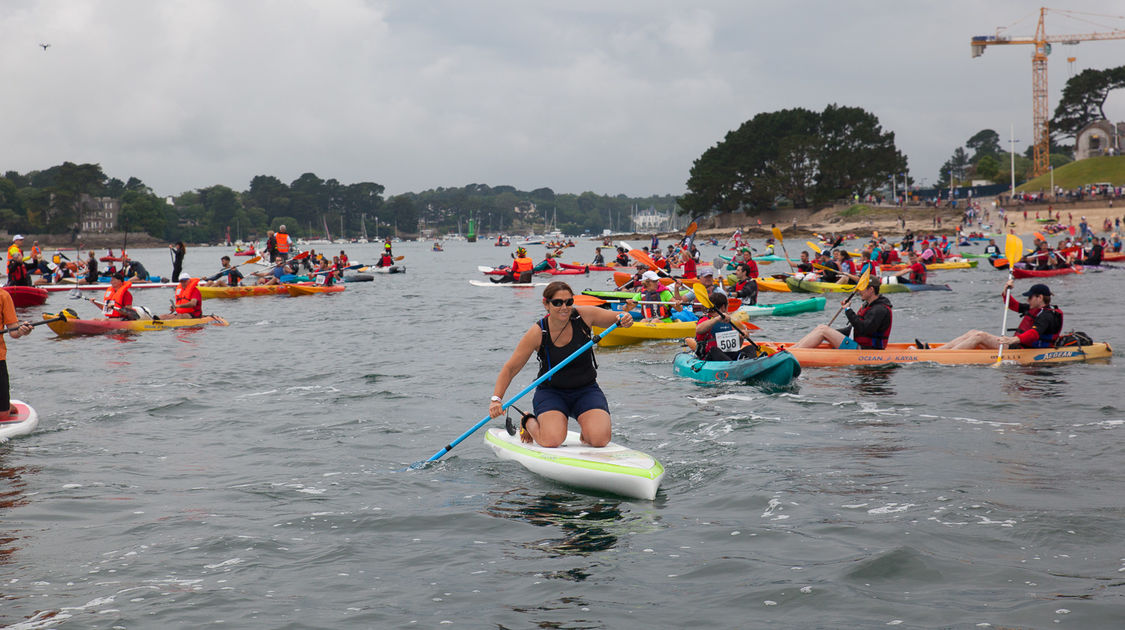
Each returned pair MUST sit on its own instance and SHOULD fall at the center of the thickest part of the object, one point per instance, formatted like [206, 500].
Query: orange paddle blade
[643, 258]
[588, 300]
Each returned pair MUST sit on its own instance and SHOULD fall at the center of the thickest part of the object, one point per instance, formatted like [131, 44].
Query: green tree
[142, 211]
[856, 156]
[985, 142]
[987, 167]
[219, 205]
[957, 166]
[403, 213]
[1083, 100]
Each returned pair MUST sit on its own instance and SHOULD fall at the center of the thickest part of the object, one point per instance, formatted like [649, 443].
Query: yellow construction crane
[1042, 43]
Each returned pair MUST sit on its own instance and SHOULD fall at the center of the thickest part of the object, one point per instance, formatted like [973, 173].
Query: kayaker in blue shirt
[573, 391]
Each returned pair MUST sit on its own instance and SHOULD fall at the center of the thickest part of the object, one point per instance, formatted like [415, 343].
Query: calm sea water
[253, 475]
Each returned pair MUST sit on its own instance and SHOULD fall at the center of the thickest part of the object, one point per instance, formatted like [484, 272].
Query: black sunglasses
[558, 302]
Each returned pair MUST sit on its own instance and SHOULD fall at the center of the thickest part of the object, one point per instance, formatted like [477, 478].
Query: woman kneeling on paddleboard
[572, 391]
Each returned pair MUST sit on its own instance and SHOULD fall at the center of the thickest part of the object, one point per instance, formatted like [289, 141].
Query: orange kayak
[311, 289]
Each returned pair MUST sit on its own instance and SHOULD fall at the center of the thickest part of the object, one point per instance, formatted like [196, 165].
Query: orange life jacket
[184, 295]
[14, 252]
[521, 265]
[282, 242]
[112, 300]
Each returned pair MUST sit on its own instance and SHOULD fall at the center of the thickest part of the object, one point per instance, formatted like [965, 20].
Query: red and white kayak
[24, 422]
[53, 288]
[26, 296]
[1044, 273]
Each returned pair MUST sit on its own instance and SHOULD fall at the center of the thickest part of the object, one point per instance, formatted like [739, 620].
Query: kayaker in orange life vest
[283, 242]
[1039, 327]
[522, 266]
[117, 303]
[870, 327]
[188, 303]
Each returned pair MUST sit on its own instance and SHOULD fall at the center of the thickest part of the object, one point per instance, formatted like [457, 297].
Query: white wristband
[496, 399]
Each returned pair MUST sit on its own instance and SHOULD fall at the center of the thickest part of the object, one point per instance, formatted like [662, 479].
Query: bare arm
[527, 346]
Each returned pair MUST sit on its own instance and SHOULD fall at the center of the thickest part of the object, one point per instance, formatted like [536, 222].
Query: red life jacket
[112, 300]
[877, 339]
[184, 294]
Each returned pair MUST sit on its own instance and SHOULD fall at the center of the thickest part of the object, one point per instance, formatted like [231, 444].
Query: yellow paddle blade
[777, 234]
[701, 294]
[813, 246]
[875, 233]
[864, 280]
[1013, 249]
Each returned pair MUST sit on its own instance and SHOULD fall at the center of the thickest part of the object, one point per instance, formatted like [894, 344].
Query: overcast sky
[609, 97]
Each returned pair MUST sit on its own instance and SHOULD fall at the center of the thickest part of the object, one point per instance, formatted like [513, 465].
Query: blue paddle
[589, 344]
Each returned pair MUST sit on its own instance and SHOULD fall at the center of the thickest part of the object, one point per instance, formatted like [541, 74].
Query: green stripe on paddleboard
[652, 473]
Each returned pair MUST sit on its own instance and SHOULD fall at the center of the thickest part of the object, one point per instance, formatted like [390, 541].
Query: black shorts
[571, 402]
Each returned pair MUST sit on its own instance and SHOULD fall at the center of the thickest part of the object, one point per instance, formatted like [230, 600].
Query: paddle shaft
[589, 344]
[1004, 320]
[56, 318]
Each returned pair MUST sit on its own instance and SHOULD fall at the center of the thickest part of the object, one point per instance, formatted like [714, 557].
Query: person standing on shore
[178, 250]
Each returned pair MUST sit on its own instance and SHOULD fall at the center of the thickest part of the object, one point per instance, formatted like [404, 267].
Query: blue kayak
[777, 369]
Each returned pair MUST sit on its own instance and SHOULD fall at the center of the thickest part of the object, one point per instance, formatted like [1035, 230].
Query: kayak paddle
[733, 304]
[777, 235]
[864, 280]
[705, 300]
[508, 403]
[813, 246]
[1012, 248]
[57, 318]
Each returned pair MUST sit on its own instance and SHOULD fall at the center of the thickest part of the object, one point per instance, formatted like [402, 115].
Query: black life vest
[1047, 337]
[876, 339]
[580, 372]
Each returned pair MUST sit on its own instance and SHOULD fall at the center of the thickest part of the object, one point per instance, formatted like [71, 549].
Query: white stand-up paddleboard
[25, 422]
[612, 468]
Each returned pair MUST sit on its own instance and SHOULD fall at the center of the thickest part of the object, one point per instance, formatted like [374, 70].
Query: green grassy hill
[1097, 170]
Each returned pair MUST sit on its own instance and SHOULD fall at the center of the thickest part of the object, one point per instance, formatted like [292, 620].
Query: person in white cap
[657, 302]
[17, 269]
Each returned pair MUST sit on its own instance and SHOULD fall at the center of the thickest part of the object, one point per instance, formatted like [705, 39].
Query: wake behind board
[612, 468]
[510, 285]
[25, 422]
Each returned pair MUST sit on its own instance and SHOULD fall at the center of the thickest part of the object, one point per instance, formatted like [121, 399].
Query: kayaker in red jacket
[1039, 327]
[915, 273]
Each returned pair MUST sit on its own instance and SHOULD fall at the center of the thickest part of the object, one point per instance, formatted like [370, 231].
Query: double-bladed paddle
[864, 280]
[705, 300]
[1012, 249]
[57, 318]
[777, 235]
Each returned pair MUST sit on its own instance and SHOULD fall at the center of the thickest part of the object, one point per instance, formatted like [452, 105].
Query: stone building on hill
[1099, 138]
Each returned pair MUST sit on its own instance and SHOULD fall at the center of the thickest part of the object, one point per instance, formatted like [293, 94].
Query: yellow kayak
[772, 284]
[642, 331]
[72, 325]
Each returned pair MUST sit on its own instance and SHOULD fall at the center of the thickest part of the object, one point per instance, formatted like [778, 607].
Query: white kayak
[612, 468]
[25, 422]
[510, 285]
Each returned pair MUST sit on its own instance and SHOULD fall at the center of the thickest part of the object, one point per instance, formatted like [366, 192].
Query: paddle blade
[1038, 235]
[777, 234]
[700, 292]
[588, 300]
[864, 280]
[813, 246]
[643, 258]
[1013, 249]
[399, 257]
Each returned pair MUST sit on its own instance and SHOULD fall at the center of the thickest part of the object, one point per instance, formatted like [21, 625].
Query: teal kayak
[792, 307]
[777, 369]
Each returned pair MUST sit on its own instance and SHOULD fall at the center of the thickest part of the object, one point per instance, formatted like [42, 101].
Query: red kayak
[246, 252]
[1044, 273]
[565, 272]
[111, 259]
[583, 268]
[26, 296]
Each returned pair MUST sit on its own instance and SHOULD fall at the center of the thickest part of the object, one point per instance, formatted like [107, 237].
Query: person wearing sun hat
[1040, 326]
[17, 268]
[654, 299]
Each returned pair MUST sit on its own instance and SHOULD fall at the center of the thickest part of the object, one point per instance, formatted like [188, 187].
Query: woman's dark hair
[555, 287]
[718, 302]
